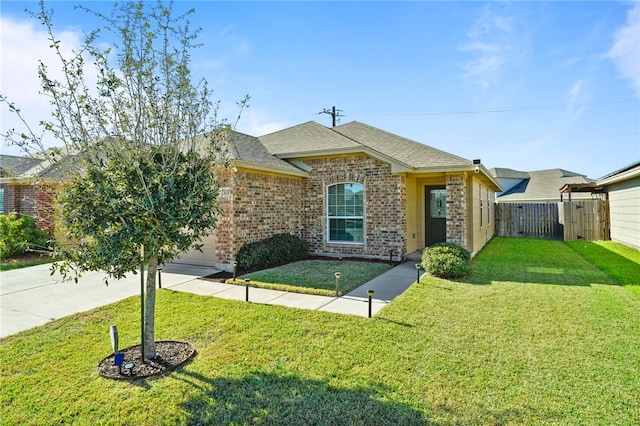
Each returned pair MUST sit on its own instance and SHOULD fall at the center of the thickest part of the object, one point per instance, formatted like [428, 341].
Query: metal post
[337, 275]
[142, 302]
[159, 277]
[418, 272]
[246, 289]
[235, 266]
[370, 294]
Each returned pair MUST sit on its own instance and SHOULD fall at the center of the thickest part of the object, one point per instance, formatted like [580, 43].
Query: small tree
[142, 146]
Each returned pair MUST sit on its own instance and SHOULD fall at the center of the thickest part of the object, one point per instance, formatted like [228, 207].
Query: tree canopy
[142, 144]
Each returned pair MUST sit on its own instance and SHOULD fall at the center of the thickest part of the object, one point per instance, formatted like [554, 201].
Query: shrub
[18, 234]
[446, 260]
[276, 250]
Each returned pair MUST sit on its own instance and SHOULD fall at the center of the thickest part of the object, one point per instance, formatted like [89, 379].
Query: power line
[501, 109]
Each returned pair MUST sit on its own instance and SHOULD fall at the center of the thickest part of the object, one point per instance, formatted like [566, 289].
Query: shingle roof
[406, 151]
[313, 138]
[307, 138]
[18, 166]
[543, 185]
[248, 148]
[500, 172]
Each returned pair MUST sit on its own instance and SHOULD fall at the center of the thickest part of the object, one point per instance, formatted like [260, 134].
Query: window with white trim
[345, 213]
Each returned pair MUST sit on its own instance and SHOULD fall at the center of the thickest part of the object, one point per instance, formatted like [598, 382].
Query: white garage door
[207, 257]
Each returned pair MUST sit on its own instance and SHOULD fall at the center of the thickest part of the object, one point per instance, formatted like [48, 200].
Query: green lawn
[536, 335]
[316, 276]
[620, 262]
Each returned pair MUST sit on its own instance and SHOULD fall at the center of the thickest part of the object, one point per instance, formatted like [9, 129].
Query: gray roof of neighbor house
[502, 173]
[312, 138]
[542, 185]
[18, 166]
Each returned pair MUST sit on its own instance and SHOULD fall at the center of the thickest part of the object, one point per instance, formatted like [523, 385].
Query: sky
[520, 85]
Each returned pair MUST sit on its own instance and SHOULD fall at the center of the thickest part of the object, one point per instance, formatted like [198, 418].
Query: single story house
[349, 191]
[541, 186]
[622, 189]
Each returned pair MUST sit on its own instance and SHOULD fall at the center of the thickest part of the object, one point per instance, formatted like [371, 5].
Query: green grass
[620, 262]
[10, 264]
[535, 335]
[316, 276]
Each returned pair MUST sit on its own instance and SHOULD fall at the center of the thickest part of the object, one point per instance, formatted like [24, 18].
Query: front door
[435, 215]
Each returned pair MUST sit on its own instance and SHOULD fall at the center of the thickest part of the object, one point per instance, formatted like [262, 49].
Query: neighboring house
[348, 191]
[540, 186]
[623, 192]
[27, 188]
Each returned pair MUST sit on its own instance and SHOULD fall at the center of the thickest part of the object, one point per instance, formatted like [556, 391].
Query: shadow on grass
[261, 398]
[622, 270]
[532, 261]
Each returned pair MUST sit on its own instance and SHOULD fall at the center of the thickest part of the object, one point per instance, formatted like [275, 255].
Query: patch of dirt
[170, 354]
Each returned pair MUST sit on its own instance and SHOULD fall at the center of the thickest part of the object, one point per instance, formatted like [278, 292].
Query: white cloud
[625, 51]
[576, 99]
[492, 45]
[23, 44]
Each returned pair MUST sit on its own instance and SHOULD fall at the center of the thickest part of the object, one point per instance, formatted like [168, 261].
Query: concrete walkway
[30, 297]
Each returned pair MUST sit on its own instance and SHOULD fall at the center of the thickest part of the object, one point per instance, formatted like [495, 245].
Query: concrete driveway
[30, 297]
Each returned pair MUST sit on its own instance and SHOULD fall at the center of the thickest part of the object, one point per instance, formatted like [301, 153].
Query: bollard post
[159, 277]
[418, 266]
[370, 294]
[246, 289]
[235, 266]
[337, 275]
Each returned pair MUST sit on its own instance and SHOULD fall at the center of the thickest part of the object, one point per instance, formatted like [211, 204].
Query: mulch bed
[170, 354]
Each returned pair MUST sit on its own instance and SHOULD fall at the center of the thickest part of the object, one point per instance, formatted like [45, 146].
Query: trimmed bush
[18, 234]
[273, 251]
[446, 260]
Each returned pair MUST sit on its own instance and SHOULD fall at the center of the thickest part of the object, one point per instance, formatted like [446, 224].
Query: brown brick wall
[384, 198]
[457, 224]
[256, 206]
[34, 200]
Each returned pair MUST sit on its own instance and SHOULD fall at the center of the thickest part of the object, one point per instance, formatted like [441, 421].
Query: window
[1, 200]
[345, 213]
[481, 205]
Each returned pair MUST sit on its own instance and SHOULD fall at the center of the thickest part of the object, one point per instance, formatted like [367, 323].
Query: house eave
[269, 169]
[396, 166]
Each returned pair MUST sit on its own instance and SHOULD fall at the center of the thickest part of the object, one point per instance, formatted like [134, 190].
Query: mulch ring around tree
[170, 354]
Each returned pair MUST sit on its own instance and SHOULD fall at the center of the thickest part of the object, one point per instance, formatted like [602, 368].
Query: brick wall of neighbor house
[259, 205]
[457, 226]
[34, 200]
[384, 197]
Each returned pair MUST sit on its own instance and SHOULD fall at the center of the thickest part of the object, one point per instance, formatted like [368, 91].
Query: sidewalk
[386, 287]
[31, 297]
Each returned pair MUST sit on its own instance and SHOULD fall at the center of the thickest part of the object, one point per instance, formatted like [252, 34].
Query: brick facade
[384, 199]
[457, 220]
[31, 199]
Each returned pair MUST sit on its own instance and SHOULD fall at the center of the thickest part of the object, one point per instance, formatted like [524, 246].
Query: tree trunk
[149, 310]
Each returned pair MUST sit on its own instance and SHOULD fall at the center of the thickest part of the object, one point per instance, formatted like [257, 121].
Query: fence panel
[585, 220]
[540, 220]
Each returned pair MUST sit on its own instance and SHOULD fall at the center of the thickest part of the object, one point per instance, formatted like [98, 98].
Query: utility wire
[498, 110]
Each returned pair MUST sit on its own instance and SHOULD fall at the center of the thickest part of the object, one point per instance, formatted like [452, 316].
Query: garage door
[205, 258]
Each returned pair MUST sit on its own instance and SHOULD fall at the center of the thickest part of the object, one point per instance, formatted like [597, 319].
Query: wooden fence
[585, 220]
[570, 220]
[538, 220]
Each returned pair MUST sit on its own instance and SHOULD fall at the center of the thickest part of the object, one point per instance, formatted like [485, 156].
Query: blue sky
[521, 85]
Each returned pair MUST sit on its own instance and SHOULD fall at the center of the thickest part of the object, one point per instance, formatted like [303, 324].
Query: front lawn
[535, 335]
[316, 276]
